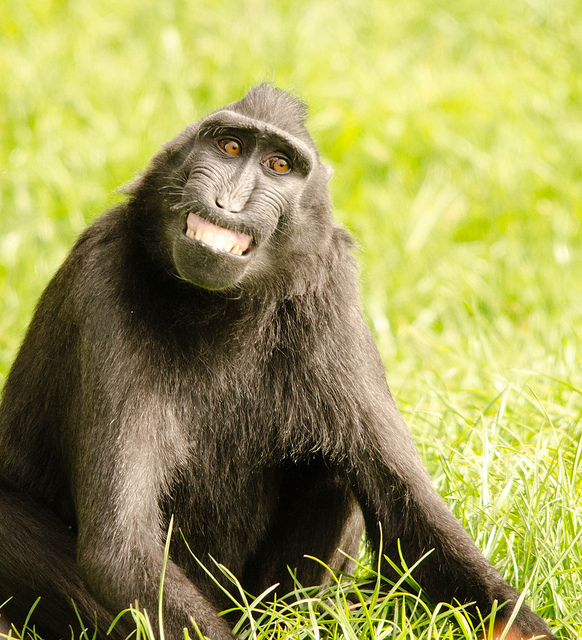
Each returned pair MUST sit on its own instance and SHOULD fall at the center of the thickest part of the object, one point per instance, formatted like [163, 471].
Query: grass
[455, 135]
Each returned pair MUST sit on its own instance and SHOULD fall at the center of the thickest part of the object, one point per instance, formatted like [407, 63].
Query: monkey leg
[5, 624]
[38, 560]
[318, 517]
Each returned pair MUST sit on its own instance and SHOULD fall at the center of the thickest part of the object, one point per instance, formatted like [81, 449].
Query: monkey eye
[230, 145]
[279, 164]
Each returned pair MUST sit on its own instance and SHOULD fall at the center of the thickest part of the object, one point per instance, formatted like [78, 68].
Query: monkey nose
[234, 205]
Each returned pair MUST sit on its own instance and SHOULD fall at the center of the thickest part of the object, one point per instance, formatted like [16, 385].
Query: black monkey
[201, 353]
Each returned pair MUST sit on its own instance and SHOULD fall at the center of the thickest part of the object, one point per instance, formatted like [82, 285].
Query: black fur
[242, 394]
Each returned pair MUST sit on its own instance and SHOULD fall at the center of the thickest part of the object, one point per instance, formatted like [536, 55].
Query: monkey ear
[327, 171]
[183, 139]
[173, 152]
[132, 187]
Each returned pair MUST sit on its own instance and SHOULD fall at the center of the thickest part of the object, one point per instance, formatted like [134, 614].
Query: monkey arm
[402, 510]
[120, 546]
[401, 507]
[120, 550]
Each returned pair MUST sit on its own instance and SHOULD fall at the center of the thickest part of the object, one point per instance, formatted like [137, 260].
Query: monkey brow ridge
[227, 118]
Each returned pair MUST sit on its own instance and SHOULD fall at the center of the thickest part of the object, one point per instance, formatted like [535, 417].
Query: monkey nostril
[228, 204]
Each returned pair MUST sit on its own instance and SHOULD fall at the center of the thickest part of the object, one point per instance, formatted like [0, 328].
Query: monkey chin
[206, 266]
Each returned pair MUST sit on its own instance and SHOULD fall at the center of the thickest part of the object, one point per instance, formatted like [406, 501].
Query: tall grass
[455, 133]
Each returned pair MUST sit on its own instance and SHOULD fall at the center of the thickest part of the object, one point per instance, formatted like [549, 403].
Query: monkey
[201, 355]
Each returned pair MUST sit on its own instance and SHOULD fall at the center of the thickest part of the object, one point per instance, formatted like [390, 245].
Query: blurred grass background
[455, 132]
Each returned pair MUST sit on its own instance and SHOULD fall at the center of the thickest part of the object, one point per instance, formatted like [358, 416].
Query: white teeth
[233, 242]
[208, 237]
[219, 241]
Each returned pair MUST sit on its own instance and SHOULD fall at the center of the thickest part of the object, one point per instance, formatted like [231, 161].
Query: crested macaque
[201, 354]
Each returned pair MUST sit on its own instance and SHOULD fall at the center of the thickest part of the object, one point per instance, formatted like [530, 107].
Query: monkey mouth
[233, 242]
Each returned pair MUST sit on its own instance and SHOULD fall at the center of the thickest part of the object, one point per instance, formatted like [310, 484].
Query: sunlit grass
[455, 134]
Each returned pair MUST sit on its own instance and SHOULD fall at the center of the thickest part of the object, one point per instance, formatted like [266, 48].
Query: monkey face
[244, 181]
